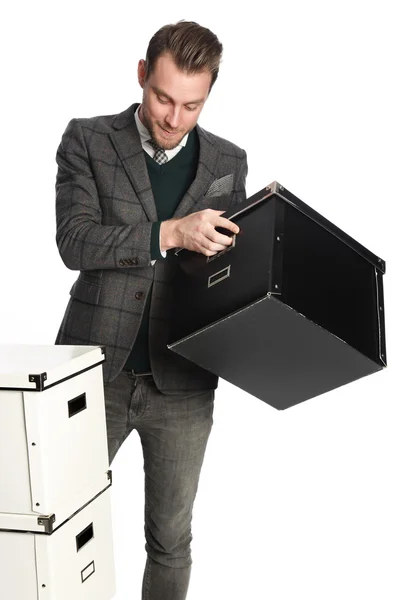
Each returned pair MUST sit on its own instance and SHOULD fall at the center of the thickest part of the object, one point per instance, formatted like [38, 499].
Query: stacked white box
[55, 516]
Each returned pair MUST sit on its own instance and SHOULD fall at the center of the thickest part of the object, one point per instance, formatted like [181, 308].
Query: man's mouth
[169, 132]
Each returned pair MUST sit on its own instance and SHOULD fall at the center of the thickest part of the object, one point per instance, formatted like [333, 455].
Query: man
[129, 188]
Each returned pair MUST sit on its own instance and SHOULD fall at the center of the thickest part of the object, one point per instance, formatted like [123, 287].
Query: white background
[292, 505]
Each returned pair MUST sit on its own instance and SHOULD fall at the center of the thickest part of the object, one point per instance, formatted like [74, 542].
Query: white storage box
[53, 435]
[76, 561]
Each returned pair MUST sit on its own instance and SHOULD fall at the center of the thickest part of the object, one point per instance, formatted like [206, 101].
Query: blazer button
[139, 295]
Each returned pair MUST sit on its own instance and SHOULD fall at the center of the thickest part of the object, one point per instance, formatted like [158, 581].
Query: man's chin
[169, 144]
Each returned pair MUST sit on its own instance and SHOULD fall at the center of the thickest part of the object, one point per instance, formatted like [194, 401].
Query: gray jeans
[174, 431]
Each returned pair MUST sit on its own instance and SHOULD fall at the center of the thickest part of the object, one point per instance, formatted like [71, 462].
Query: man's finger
[223, 223]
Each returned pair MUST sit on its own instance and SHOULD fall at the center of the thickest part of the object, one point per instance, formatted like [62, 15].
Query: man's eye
[162, 101]
[191, 108]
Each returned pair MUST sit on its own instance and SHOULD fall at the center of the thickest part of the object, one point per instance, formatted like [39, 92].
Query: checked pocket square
[221, 186]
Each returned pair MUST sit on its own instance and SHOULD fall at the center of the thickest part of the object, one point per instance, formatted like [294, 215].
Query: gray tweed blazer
[104, 213]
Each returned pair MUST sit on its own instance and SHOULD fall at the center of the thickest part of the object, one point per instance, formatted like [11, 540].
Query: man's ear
[141, 72]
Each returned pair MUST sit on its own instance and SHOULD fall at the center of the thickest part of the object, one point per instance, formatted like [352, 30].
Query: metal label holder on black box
[292, 309]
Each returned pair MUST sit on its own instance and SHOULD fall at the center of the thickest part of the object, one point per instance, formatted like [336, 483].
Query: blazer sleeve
[83, 242]
[239, 192]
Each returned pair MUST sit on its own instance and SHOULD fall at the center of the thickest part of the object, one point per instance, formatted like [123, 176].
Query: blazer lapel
[127, 144]
[205, 174]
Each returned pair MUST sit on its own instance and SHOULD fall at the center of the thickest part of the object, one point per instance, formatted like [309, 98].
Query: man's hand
[197, 232]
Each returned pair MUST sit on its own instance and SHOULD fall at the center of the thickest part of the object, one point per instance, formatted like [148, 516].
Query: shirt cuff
[155, 252]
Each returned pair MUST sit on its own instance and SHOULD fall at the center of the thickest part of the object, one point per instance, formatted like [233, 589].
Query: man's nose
[173, 118]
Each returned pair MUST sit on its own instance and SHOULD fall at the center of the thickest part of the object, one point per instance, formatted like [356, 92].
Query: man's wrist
[167, 237]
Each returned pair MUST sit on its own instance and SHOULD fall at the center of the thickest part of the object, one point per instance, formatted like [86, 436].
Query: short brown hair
[193, 48]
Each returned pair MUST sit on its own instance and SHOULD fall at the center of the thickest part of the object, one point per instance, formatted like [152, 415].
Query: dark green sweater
[169, 183]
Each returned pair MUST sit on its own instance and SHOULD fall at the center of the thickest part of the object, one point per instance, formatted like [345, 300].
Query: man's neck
[140, 114]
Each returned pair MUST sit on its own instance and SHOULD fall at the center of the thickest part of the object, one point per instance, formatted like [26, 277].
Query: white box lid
[37, 367]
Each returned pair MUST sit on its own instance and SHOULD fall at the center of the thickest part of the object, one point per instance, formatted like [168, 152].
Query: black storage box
[292, 309]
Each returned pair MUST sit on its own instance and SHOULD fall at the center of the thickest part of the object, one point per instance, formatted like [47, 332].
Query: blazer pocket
[221, 186]
[85, 291]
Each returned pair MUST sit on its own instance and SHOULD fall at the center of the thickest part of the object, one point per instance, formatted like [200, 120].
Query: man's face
[172, 101]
